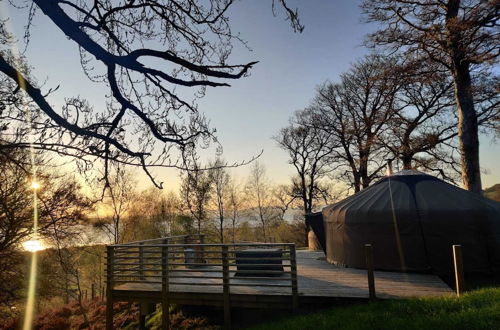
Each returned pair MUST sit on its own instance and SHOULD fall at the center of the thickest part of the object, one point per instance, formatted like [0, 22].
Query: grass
[475, 310]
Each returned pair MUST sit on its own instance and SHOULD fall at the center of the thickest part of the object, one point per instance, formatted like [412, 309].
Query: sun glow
[33, 245]
[35, 185]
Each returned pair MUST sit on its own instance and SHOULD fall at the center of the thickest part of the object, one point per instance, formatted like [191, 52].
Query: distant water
[91, 235]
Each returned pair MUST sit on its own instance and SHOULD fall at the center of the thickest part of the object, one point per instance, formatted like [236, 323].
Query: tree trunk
[357, 182]
[307, 227]
[312, 242]
[263, 222]
[363, 170]
[234, 229]
[365, 180]
[406, 159]
[199, 222]
[467, 129]
[221, 219]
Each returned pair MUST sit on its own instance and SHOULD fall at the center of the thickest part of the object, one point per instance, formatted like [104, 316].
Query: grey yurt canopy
[412, 220]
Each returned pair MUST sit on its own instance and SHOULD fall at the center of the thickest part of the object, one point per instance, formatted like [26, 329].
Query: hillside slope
[493, 192]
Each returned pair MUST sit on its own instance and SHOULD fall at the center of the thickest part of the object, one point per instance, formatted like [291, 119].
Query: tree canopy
[142, 51]
[459, 35]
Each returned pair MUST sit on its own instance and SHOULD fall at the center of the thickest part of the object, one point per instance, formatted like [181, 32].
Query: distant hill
[493, 192]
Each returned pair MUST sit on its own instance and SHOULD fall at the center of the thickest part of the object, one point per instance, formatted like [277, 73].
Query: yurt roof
[410, 191]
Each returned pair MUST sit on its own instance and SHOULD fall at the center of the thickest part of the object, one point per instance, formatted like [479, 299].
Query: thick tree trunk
[363, 168]
[310, 238]
[406, 162]
[304, 207]
[467, 129]
[357, 182]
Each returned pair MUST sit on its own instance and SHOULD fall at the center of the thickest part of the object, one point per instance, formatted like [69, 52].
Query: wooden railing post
[293, 273]
[109, 288]
[143, 312]
[141, 261]
[459, 269]
[165, 324]
[369, 269]
[165, 320]
[226, 288]
[201, 249]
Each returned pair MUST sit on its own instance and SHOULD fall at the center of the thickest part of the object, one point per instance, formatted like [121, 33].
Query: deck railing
[175, 262]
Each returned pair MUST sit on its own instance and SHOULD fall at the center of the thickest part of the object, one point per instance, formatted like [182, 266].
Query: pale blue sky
[250, 112]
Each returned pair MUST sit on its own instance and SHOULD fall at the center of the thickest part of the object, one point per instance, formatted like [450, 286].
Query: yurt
[412, 220]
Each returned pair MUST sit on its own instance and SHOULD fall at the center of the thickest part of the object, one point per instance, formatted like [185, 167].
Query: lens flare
[33, 245]
[30, 303]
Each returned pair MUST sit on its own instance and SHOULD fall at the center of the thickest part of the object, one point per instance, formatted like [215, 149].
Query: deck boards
[319, 278]
[316, 278]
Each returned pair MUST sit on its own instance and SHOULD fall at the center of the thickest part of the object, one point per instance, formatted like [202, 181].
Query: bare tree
[460, 35]
[118, 198]
[355, 113]
[194, 40]
[283, 198]
[423, 128]
[311, 152]
[259, 195]
[221, 181]
[61, 207]
[196, 191]
[236, 204]
[69, 260]
[170, 212]
[150, 215]
[61, 203]
[421, 132]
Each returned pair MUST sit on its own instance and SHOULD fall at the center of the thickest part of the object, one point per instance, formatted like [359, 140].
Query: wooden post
[226, 288]
[143, 312]
[165, 321]
[369, 269]
[141, 261]
[109, 288]
[293, 273]
[201, 250]
[459, 269]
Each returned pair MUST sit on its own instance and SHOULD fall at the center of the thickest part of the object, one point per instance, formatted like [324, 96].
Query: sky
[250, 112]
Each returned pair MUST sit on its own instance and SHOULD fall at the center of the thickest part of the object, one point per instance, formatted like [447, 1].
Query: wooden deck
[317, 281]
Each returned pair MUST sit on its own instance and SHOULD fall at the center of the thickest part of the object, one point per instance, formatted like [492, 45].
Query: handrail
[241, 263]
[227, 266]
[206, 245]
[160, 239]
